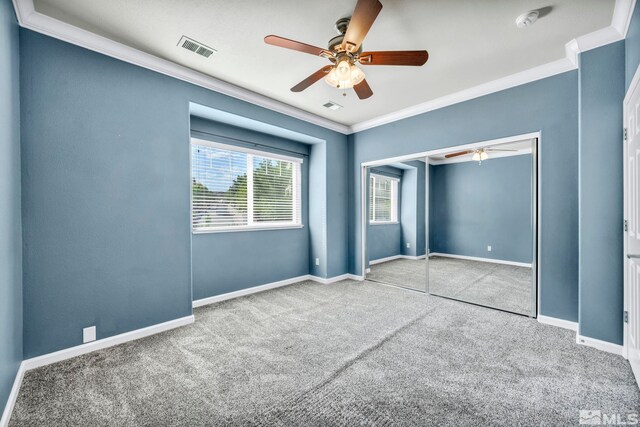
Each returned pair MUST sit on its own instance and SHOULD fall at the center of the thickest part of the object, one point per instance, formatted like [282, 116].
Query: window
[239, 188]
[383, 199]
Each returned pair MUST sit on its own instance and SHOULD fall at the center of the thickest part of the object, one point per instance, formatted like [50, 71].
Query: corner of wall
[11, 303]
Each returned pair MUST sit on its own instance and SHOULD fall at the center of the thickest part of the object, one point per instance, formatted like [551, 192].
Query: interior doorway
[632, 227]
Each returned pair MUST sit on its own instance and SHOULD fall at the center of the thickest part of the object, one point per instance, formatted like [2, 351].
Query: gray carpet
[505, 287]
[407, 273]
[349, 353]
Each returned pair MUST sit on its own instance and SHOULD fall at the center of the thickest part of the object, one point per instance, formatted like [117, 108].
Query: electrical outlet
[489, 248]
[408, 245]
[89, 334]
[317, 261]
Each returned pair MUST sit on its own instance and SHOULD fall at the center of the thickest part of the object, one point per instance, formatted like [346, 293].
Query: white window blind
[238, 188]
[383, 199]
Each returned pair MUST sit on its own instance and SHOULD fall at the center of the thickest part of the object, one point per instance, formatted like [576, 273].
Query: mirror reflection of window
[383, 200]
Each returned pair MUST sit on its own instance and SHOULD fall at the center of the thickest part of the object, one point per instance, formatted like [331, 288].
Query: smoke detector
[527, 19]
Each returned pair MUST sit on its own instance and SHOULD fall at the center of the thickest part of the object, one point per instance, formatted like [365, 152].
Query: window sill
[384, 223]
[248, 228]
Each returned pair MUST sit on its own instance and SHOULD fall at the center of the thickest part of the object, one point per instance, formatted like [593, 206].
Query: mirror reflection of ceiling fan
[345, 50]
[477, 155]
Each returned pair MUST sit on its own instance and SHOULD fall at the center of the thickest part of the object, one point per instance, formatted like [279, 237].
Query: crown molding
[29, 18]
[527, 76]
[622, 13]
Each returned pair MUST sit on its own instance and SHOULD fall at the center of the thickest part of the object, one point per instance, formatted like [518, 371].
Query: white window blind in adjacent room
[239, 188]
[383, 199]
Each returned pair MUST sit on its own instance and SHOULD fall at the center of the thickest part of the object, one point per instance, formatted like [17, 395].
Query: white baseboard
[386, 259]
[335, 279]
[561, 323]
[273, 285]
[599, 344]
[13, 396]
[472, 258]
[68, 353]
[391, 258]
[249, 291]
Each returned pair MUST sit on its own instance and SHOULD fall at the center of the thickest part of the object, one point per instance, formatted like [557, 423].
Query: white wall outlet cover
[317, 261]
[89, 334]
[408, 245]
[489, 248]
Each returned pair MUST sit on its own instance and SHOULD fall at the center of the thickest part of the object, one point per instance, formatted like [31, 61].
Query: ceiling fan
[345, 50]
[478, 155]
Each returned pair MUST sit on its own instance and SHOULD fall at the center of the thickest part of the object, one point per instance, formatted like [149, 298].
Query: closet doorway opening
[470, 216]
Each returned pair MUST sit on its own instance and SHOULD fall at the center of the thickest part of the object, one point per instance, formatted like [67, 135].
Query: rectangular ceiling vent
[332, 105]
[196, 47]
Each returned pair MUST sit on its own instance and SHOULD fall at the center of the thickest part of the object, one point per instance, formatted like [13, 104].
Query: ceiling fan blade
[312, 79]
[295, 45]
[364, 15]
[399, 57]
[460, 153]
[363, 90]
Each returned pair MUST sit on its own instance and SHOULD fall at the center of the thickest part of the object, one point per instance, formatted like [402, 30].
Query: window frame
[395, 201]
[251, 225]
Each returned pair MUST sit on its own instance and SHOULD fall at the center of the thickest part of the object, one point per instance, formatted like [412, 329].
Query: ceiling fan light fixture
[345, 50]
[344, 77]
[483, 155]
[343, 70]
[476, 156]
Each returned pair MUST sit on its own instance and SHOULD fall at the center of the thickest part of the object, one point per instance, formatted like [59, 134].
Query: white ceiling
[470, 42]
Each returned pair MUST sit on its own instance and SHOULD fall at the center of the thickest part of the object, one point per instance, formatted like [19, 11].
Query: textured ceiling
[470, 42]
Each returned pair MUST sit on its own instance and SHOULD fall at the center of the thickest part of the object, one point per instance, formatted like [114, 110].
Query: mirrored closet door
[395, 206]
[482, 226]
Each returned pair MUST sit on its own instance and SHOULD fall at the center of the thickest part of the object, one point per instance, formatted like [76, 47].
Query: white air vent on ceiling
[196, 47]
[332, 105]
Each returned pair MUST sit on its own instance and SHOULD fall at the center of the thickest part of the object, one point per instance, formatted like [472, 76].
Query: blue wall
[409, 211]
[549, 105]
[230, 261]
[385, 240]
[10, 222]
[106, 187]
[474, 206]
[336, 175]
[413, 217]
[317, 208]
[601, 195]
[632, 47]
